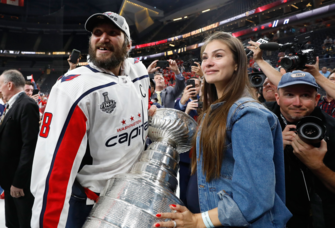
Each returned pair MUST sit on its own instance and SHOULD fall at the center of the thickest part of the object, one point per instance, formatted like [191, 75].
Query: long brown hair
[213, 127]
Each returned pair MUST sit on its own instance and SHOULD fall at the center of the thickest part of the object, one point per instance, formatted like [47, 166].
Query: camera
[302, 56]
[256, 79]
[311, 130]
[298, 61]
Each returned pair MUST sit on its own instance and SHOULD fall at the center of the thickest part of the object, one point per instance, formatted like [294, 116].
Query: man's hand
[35, 97]
[16, 192]
[72, 65]
[152, 110]
[288, 135]
[192, 105]
[197, 69]
[188, 93]
[313, 69]
[311, 156]
[258, 53]
[152, 67]
[173, 66]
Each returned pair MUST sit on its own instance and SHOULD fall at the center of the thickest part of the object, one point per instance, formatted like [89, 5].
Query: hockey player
[94, 127]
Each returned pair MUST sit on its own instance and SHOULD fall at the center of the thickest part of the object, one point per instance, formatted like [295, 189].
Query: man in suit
[18, 135]
[166, 96]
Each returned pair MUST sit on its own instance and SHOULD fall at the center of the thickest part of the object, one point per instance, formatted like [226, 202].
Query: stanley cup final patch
[108, 105]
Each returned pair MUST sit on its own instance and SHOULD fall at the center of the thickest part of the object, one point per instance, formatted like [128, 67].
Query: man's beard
[117, 57]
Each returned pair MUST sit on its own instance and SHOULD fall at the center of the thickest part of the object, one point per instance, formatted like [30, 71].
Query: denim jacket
[251, 189]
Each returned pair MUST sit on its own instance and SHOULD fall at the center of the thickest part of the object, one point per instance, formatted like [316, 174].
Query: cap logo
[111, 16]
[298, 75]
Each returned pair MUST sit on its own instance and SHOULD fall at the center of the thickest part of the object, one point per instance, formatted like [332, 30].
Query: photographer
[166, 95]
[269, 90]
[275, 76]
[313, 172]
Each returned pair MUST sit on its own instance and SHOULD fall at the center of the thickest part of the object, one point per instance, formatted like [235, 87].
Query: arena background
[37, 36]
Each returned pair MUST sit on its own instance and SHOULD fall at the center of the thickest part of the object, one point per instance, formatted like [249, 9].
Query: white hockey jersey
[92, 116]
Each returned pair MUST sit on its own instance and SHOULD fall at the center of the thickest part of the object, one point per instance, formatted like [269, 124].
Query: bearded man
[94, 127]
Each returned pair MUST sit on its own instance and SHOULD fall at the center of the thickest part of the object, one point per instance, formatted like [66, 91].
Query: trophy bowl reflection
[132, 200]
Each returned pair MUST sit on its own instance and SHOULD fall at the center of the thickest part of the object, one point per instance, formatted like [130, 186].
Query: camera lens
[290, 62]
[311, 130]
[256, 80]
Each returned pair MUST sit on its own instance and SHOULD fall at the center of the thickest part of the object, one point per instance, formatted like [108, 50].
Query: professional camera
[301, 57]
[256, 79]
[311, 130]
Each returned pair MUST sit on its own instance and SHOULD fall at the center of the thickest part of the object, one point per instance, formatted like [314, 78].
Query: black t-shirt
[300, 182]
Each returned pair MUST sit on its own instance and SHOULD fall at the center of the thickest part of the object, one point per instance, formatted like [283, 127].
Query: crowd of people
[328, 47]
[248, 167]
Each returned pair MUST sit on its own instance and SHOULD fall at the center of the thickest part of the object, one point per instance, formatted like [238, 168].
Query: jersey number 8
[44, 132]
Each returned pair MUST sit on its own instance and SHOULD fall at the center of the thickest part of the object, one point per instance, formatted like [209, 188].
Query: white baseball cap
[118, 20]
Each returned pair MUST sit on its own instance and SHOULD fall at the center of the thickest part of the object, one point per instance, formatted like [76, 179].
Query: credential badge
[107, 106]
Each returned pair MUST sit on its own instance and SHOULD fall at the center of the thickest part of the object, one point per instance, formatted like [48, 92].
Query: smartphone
[193, 61]
[190, 82]
[162, 64]
[200, 104]
[75, 56]
[35, 91]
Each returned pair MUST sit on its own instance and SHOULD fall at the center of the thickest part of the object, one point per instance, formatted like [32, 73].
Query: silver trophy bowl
[133, 199]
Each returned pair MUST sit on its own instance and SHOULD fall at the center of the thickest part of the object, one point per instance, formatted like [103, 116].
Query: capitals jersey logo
[107, 106]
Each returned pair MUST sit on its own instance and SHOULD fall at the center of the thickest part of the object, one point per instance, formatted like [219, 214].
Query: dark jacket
[193, 113]
[296, 193]
[18, 137]
[170, 94]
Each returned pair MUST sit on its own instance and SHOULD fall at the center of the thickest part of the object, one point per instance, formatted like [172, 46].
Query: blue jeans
[78, 211]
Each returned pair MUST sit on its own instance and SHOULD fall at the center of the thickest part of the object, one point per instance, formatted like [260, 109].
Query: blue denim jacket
[251, 189]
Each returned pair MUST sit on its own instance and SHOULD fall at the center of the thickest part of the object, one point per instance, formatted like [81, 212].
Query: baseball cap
[118, 20]
[297, 77]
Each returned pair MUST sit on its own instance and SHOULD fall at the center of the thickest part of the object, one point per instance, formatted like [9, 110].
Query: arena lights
[59, 53]
[300, 16]
[221, 23]
[137, 5]
[294, 6]
[204, 11]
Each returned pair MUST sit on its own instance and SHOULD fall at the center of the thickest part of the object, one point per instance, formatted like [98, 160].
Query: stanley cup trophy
[133, 199]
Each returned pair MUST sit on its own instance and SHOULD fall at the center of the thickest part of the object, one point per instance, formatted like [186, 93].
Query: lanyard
[302, 172]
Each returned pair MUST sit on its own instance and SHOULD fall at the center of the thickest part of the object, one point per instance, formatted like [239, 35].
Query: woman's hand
[192, 105]
[182, 218]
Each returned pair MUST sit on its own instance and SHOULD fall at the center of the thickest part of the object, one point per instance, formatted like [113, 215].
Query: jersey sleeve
[61, 145]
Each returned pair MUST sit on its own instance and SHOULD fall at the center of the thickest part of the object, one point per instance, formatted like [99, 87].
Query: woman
[238, 163]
